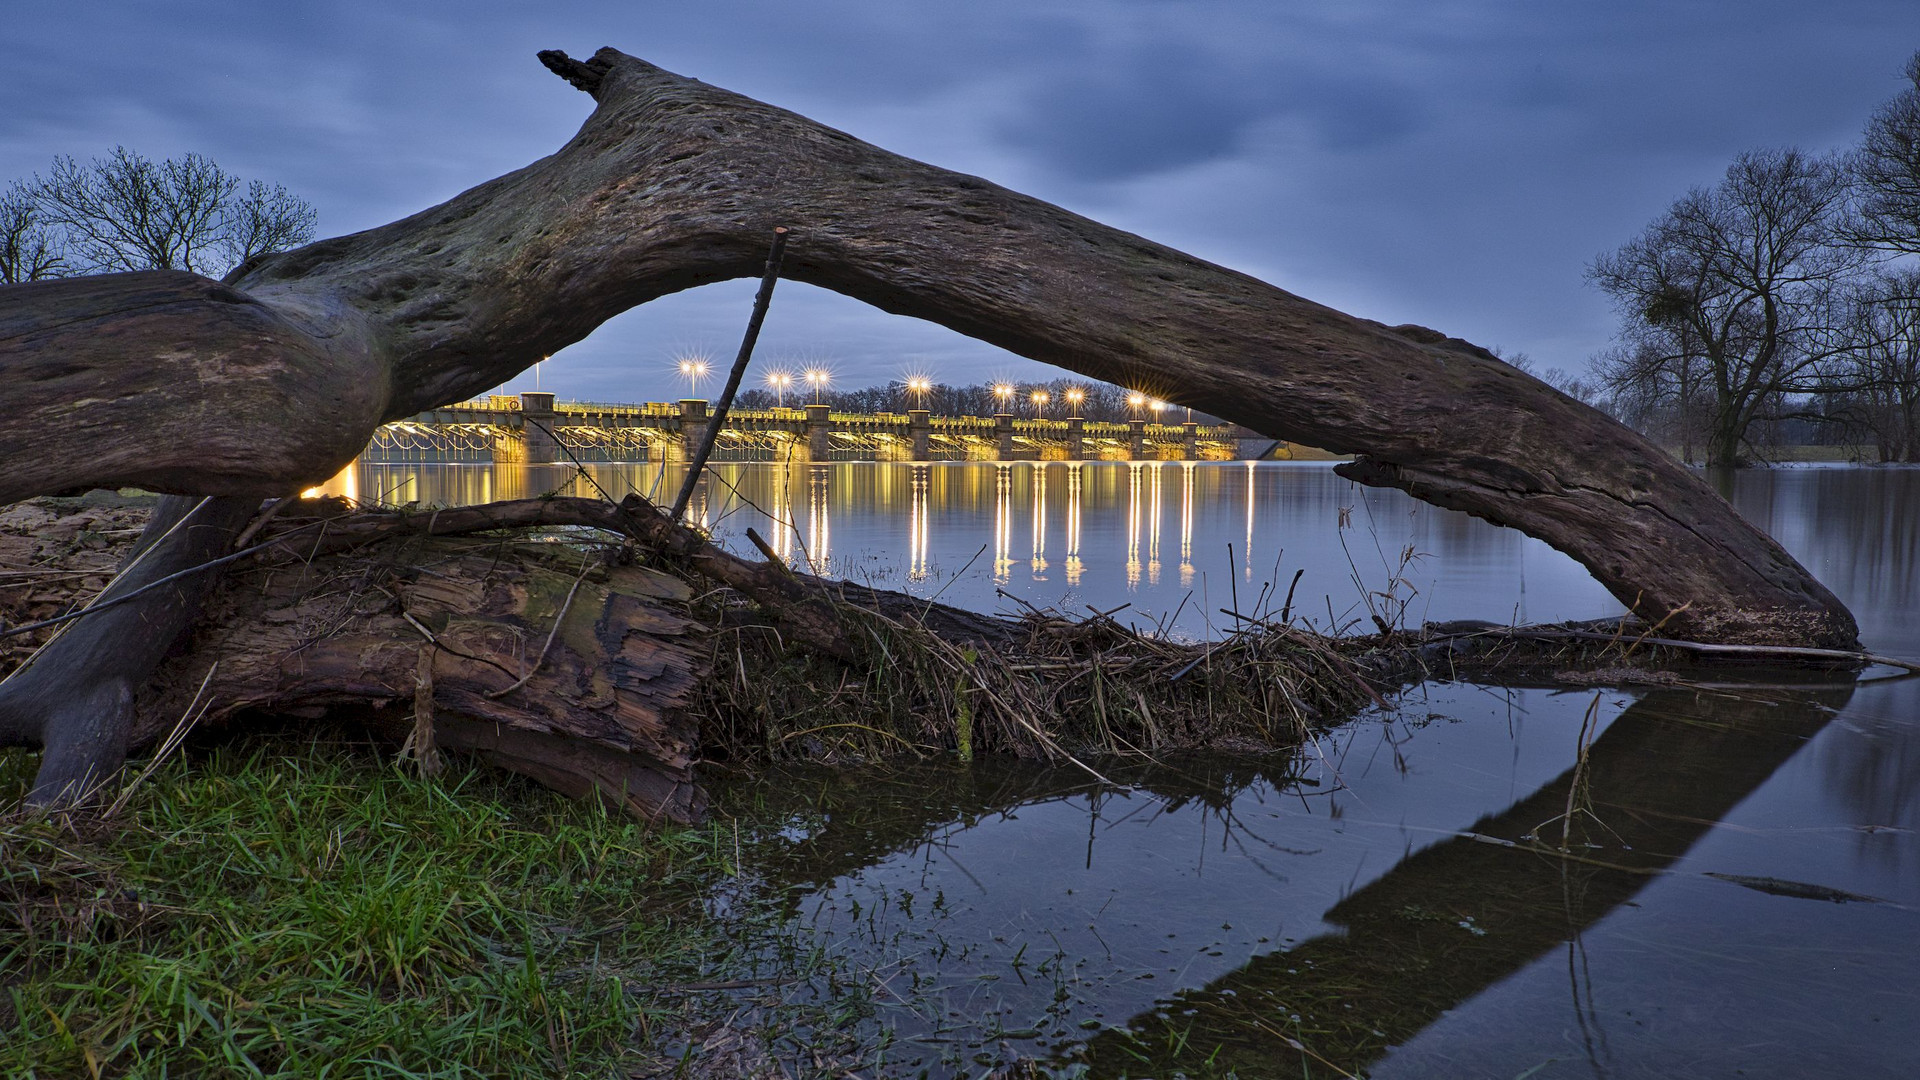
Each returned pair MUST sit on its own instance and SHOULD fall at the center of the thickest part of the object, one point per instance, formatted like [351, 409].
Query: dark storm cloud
[1149, 107]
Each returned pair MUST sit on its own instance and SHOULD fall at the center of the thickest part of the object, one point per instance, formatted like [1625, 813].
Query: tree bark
[278, 377]
[75, 698]
[538, 659]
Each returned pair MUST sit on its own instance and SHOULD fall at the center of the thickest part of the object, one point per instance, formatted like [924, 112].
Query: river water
[1740, 889]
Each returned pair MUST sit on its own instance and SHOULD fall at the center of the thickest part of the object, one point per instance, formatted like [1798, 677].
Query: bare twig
[761, 300]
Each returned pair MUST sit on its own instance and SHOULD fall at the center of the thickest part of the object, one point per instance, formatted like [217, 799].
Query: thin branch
[551, 634]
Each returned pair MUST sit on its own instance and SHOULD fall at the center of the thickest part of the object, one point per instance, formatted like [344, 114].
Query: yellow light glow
[778, 380]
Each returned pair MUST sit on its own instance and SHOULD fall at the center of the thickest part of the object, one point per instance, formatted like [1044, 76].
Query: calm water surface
[1743, 900]
[1177, 541]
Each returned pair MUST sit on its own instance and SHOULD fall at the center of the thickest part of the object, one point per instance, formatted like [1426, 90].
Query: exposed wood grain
[606, 711]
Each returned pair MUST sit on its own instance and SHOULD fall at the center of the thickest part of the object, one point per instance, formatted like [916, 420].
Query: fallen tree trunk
[554, 653]
[278, 377]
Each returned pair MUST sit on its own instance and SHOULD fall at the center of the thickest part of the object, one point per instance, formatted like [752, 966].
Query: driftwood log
[276, 378]
[477, 629]
[467, 629]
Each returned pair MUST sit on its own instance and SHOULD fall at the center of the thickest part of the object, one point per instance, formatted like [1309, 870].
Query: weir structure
[535, 429]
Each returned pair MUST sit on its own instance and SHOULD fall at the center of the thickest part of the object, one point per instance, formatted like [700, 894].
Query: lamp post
[778, 381]
[694, 370]
[1135, 402]
[1040, 399]
[1003, 393]
[1075, 396]
[818, 379]
[919, 386]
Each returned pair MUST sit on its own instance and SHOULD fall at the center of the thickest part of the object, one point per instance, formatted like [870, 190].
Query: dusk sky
[1455, 164]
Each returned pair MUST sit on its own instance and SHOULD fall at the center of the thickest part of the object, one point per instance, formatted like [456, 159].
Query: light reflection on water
[1175, 541]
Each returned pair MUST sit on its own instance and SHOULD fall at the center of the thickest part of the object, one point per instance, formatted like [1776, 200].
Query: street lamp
[1075, 396]
[818, 379]
[919, 386]
[1158, 407]
[1003, 392]
[1040, 399]
[778, 381]
[1135, 401]
[694, 370]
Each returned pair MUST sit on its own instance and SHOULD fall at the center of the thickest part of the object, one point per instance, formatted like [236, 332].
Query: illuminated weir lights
[693, 369]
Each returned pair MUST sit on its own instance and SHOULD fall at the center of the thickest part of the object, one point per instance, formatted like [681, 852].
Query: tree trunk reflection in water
[1658, 779]
[1438, 929]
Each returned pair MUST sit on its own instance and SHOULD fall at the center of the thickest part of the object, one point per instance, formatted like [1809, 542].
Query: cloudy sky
[1455, 164]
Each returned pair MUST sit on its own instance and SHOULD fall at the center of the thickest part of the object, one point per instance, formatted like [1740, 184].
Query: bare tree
[1741, 280]
[29, 250]
[1886, 169]
[124, 212]
[1877, 393]
[1584, 389]
[266, 219]
[1657, 385]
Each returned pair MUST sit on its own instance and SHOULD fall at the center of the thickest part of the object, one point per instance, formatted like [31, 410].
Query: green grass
[278, 910]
